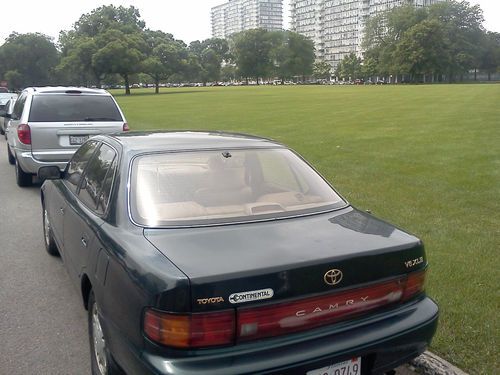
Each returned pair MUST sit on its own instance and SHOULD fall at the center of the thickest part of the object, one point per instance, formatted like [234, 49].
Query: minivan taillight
[190, 330]
[24, 134]
[125, 127]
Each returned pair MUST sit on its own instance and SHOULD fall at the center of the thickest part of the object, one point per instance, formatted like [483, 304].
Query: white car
[7, 107]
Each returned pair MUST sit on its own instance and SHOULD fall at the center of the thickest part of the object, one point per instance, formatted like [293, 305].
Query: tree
[490, 54]
[461, 25]
[108, 40]
[165, 55]
[76, 65]
[423, 50]
[444, 38]
[252, 53]
[349, 67]
[119, 53]
[292, 53]
[100, 20]
[209, 55]
[322, 70]
[14, 79]
[30, 58]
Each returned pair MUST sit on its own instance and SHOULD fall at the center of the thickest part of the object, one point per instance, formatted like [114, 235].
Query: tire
[12, 159]
[23, 179]
[101, 361]
[2, 132]
[48, 237]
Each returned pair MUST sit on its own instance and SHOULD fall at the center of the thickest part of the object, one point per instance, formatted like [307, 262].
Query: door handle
[84, 242]
[62, 210]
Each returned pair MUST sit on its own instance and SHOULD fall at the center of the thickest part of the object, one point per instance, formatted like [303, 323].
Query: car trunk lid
[248, 265]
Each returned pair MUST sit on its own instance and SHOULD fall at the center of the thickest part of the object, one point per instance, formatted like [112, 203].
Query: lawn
[424, 157]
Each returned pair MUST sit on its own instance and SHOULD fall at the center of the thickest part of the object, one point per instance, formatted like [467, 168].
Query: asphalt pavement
[43, 325]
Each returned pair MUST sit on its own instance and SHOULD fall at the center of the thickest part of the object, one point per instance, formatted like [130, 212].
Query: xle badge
[253, 295]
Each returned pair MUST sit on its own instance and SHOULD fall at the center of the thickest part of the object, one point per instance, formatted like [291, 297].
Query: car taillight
[24, 134]
[414, 284]
[251, 323]
[273, 320]
[190, 330]
[125, 127]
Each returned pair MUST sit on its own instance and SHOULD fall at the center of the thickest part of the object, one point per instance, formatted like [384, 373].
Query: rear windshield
[212, 187]
[70, 108]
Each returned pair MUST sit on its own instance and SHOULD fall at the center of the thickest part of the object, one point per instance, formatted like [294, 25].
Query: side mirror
[49, 173]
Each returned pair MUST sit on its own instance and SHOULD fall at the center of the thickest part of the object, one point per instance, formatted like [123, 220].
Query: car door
[65, 194]
[83, 216]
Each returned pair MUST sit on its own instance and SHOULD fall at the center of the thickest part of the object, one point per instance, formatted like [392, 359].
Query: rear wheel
[1, 130]
[48, 237]
[23, 179]
[102, 363]
[12, 159]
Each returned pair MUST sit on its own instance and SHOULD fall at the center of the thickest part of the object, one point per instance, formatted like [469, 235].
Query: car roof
[155, 141]
[65, 90]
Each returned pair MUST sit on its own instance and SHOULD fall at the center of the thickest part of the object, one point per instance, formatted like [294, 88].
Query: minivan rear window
[71, 108]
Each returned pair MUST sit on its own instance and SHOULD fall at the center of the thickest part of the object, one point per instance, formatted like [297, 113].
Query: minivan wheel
[23, 179]
[48, 237]
[12, 159]
[102, 363]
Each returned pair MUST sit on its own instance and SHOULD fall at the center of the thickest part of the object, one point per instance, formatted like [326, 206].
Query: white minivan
[48, 124]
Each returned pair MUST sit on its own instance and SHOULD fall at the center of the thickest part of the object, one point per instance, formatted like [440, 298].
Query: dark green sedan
[216, 253]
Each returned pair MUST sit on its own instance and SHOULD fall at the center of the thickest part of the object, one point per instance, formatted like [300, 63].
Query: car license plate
[77, 139]
[351, 367]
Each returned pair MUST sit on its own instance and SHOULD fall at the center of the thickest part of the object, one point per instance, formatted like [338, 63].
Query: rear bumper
[385, 341]
[31, 165]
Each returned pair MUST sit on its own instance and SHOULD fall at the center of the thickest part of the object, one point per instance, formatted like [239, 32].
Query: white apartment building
[239, 15]
[336, 26]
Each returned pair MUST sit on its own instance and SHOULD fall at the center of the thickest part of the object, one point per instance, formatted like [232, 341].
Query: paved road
[43, 325]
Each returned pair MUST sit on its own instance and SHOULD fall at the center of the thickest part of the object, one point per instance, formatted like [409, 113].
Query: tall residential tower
[239, 15]
[336, 26]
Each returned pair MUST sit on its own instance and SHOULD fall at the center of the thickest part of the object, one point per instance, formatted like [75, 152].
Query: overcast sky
[186, 19]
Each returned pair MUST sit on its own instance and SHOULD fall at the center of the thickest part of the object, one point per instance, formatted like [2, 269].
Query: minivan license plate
[351, 367]
[77, 139]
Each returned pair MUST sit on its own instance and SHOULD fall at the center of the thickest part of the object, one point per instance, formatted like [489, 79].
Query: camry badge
[333, 277]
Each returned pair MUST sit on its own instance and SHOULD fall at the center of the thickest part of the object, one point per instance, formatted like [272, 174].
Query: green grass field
[424, 157]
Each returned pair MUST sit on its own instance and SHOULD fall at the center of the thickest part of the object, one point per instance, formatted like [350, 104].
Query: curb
[431, 364]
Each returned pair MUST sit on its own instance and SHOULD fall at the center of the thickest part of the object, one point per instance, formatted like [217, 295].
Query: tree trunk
[127, 84]
[258, 81]
[157, 86]
[475, 74]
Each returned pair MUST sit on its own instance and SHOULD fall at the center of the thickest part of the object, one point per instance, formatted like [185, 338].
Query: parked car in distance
[218, 253]
[6, 109]
[48, 124]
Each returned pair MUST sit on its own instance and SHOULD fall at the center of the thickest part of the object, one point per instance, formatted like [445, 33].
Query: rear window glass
[211, 187]
[70, 108]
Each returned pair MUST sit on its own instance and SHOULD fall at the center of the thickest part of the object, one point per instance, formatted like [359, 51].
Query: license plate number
[77, 139]
[351, 367]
